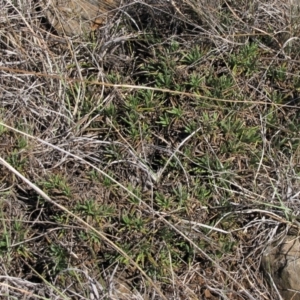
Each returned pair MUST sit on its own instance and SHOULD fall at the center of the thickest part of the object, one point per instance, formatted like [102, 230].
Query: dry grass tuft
[151, 155]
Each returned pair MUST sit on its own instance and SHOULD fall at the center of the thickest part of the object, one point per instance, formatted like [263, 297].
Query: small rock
[73, 17]
[282, 262]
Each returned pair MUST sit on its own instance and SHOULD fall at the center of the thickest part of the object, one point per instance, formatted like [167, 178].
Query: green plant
[57, 182]
[163, 202]
[136, 191]
[176, 112]
[91, 238]
[244, 61]
[222, 86]
[190, 127]
[194, 82]
[91, 208]
[110, 110]
[133, 222]
[94, 175]
[192, 56]
[237, 135]
[277, 74]
[131, 119]
[181, 196]
[107, 182]
[174, 46]
[3, 129]
[164, 120]
[16, 160]
[144, 255]
[164, 79]
[60, 258]
[22, 143]
[5, 236]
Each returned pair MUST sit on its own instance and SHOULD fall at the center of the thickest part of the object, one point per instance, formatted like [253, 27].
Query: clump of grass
[169, 150]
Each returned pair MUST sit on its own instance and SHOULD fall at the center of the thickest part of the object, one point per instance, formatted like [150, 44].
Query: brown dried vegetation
[166, 134]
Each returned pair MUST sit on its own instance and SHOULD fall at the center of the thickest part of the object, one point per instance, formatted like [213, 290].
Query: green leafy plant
[59, 257]
[193, 56]
[164, 120]
[16, 160]
[244, 60]
[134, 223]
[57, 182]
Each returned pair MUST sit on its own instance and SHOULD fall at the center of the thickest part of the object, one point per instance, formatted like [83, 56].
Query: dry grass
[154, 158]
